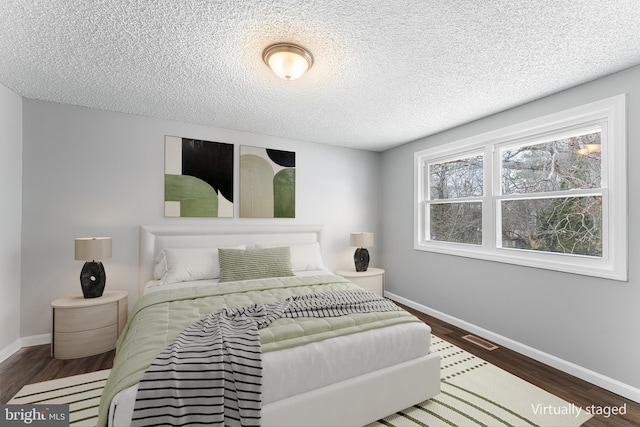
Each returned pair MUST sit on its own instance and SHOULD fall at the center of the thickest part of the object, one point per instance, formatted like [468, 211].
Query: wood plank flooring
[565, 386]
[35, 364]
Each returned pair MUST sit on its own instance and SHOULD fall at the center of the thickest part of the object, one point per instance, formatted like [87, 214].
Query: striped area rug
[81, 392]
[474, 393]
[477, 393]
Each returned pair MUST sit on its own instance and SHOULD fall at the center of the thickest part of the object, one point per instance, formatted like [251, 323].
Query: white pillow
[187, 264]
[304, 256]
[161, 266]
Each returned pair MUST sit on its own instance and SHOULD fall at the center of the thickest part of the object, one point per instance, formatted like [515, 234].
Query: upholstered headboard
[155, 238]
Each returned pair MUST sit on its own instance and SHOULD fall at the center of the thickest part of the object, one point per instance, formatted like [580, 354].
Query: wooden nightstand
[371, 280]
[87, 326]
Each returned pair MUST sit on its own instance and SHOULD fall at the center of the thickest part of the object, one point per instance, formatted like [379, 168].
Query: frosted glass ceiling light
[287, 60]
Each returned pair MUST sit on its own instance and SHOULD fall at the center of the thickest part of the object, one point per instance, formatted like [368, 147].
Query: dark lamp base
[361, 258]
[92, 279]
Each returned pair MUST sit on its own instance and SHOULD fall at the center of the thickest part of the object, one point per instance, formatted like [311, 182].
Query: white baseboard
[9, 350]
[13, 348]
[36, 340]
[613, 385]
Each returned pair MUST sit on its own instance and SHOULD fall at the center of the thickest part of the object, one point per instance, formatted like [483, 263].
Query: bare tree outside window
[564, 164]
[453, 220]
[570, 225]
[456, 179]
[457, 222]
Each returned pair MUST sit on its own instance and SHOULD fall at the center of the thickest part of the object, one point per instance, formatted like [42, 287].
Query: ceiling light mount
[288, 61]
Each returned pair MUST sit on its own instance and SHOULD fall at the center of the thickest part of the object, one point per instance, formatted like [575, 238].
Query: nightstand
[371, 280]
[87, 326]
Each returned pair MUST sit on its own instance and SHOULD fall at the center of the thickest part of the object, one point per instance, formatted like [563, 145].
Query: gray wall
[90, 172]
[10, 216]
[587, 321]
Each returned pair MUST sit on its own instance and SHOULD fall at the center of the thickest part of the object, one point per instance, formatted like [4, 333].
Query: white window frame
[610, 113]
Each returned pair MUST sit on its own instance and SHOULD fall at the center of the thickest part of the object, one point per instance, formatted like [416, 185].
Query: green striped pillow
[238, 264]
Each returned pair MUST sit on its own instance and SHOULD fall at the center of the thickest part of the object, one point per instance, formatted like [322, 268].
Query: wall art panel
[198, 180]
[267, 183]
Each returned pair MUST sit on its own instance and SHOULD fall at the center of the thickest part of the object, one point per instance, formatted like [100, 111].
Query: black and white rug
[474, 392]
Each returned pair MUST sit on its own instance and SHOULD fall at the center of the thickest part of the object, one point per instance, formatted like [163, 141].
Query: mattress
[292, 370]
[296, 370]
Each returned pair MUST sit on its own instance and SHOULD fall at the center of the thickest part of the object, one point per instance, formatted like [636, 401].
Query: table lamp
[361, 257]
[92, 276]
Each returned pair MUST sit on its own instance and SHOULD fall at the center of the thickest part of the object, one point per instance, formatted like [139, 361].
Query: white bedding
[337, 359]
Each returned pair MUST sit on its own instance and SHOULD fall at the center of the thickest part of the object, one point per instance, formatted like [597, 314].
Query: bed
[329, 371]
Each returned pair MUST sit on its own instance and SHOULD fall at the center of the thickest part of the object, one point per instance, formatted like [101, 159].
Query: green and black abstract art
[198, 180]
[267, 183]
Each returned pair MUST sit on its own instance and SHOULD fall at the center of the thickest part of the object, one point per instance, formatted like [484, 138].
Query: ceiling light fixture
[287, 60]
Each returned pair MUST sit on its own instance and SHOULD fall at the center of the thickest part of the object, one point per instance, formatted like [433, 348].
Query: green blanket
[160, 316]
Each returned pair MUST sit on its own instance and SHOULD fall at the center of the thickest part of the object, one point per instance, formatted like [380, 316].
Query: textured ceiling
[384, 73]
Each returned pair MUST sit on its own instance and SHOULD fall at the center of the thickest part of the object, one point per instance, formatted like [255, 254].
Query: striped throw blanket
[212, 372]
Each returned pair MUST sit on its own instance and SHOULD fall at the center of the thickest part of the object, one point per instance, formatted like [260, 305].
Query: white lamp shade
[93, 248]
[362, 240]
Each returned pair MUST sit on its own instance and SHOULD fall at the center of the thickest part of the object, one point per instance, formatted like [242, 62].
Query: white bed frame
[353, 402]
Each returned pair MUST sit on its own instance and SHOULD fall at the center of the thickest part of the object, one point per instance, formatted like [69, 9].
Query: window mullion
[488, 206]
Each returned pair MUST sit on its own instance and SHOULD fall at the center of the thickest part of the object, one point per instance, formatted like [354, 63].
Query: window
[548, 193]
[455, 195]
[551, 194]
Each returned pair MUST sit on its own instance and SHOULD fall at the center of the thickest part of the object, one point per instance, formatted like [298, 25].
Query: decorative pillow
[254, 264]
[187, 264]
[304, 256]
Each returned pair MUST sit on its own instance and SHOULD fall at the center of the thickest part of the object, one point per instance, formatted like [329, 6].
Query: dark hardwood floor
[35, 364]
[565, 386]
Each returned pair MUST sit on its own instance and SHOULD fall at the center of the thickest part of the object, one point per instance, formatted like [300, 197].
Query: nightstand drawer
[87, 326]
[70, 345]
[371, 280]
[372, 283]
[85, 318]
